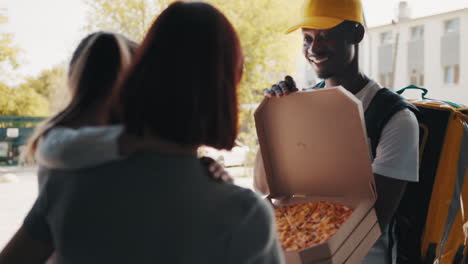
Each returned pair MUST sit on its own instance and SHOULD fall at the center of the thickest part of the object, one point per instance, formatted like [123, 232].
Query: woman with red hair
[178, 94]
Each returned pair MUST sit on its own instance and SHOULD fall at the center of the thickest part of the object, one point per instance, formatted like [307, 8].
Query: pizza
[302, 226]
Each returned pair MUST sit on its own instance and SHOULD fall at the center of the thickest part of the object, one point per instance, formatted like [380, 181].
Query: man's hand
[282, 88]
[216, 170]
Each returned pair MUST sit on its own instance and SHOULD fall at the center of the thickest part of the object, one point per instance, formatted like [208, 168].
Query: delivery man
[332, 31]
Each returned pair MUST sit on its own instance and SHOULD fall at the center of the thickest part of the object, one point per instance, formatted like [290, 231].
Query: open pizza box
[314, 147]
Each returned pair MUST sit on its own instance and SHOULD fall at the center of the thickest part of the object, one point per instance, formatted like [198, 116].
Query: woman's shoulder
[244, 203]
[65, 136]
[71, 148]
[63, 130]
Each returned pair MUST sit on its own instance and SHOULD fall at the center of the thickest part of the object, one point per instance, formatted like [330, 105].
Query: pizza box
[314, 148]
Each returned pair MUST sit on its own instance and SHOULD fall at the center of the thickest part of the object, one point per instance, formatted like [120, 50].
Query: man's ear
[356, 34]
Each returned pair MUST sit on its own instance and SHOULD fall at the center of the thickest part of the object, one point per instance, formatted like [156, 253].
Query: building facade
[431, 52]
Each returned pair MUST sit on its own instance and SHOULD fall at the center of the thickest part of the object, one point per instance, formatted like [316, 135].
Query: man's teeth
[315, 60]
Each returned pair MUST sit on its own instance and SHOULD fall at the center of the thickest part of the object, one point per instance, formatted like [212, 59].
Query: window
[386, 80]
[417, 33]
[386, 38]
[417, 77]
[452, 25]
[451, 74]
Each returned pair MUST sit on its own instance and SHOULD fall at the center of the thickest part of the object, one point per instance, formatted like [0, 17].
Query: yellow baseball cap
[325, 14]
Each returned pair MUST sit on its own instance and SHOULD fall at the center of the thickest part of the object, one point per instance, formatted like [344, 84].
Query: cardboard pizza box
[314, 148]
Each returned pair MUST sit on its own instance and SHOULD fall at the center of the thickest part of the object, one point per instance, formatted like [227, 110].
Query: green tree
[25, 100]
[129, 17]
[261, 25]
[48, 81]
[22, 101]
[269, 53]
[8, 51]
[52, 85]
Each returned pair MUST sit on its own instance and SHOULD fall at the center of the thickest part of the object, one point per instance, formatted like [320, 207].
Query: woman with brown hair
[77, 136]
[179, 94]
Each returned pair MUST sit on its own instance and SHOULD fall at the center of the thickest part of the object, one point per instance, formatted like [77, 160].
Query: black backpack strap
[459, 256]
[381, 109]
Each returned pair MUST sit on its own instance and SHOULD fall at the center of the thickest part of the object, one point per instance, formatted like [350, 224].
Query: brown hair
[93, 71]
[182, 84]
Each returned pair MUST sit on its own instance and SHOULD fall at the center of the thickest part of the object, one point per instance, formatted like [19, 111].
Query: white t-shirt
[397, 156]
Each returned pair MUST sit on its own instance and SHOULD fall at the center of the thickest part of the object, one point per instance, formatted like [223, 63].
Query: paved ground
[18, 189]
[16, 198]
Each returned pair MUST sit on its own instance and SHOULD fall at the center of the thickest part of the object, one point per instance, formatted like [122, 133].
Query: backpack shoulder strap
[380, 110]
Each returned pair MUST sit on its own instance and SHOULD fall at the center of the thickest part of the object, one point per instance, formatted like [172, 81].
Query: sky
[47, 31]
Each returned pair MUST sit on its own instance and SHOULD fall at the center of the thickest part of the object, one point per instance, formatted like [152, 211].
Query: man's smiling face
[329, 51]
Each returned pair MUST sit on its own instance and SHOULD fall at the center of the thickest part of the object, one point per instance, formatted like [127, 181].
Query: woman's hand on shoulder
[216, 170]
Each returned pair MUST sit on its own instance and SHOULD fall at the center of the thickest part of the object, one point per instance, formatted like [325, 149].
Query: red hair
[182, 84]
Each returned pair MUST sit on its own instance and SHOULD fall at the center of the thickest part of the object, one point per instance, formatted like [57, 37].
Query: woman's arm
[22, 248]
[255, 240]
[67, 148]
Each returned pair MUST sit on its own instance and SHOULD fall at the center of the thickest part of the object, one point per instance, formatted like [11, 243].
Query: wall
[433, 70]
